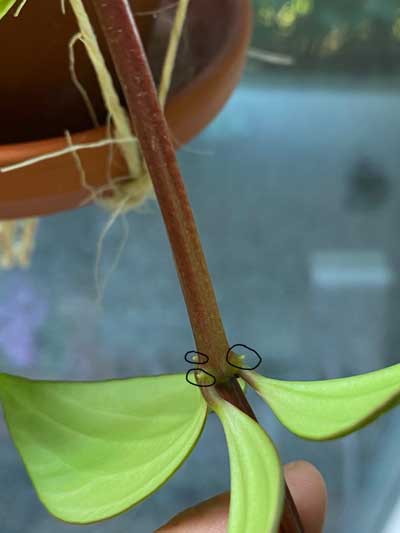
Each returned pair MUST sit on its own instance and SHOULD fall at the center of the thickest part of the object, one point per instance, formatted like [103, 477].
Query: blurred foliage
[356, 35]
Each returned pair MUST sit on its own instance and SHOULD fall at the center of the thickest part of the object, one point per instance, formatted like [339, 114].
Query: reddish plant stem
[290, 519]
[152, 131]
[231, 391]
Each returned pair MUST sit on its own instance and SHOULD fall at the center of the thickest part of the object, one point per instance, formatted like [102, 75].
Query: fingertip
[210, 516]
[308, 489]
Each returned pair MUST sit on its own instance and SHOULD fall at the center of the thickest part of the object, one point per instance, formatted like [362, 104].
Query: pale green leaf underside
[321, 410]
[95, 449]
[257, 487]
[5, 6]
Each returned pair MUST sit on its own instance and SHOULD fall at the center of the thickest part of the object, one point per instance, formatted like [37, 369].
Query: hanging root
[134, 190]
[101, 284]
[20, 8]
[81, 89]
[118, 114]
[157, 11]
[170, 58]
[64, 151]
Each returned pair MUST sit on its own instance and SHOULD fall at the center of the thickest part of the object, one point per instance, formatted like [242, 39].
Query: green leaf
[243, 384]
[321, 410]
[257, 487]
[5, 6]
[95, 449]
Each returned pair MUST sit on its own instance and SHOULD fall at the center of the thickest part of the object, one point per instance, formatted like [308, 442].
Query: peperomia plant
[94, 449]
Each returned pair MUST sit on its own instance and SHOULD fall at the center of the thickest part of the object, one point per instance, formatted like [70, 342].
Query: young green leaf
[321, 410]
[5, 6]
[257, 487]
[95, 449]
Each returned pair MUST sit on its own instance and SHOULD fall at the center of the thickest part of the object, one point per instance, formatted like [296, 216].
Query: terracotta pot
[38, 100]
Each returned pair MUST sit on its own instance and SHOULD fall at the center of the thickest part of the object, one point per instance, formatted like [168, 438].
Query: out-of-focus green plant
[363, 34]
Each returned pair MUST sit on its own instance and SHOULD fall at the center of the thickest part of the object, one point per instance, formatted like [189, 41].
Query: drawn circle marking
[194, 370]
[247, 348]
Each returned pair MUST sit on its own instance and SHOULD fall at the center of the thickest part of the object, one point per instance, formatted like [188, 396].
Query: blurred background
[296, 191]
